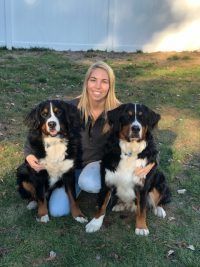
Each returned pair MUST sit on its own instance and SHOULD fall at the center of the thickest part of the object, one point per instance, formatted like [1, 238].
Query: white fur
[81, 219]
[43, 219]
[124, 206]
[95, 224]
[53, 118]
[141, 231]
[32, 205]
[160, 212]
[124, 178]
[55, 162]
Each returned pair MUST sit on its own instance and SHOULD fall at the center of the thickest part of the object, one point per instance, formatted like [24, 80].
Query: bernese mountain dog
[54, 138]
[131, 145]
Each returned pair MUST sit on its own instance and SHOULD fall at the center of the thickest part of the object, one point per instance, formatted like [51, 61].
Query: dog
[54, 138]
[131, 145]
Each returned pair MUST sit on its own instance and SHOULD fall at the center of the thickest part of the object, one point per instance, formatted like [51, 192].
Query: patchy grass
[167, 82]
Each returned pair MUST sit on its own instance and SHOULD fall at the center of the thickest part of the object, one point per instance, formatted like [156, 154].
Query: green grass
[170, 84]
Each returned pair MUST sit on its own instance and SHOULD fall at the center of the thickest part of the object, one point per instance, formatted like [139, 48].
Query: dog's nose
[52, 124]
[135, 128]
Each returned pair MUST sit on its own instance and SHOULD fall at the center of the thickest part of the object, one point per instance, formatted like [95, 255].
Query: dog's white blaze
[53, 118]
[55, 162]
[124, 178]
[136, 122]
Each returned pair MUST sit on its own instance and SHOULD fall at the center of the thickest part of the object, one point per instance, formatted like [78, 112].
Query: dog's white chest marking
[124, 178]
[55, 162]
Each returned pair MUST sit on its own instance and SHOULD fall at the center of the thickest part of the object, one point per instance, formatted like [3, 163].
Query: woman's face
[98, 85]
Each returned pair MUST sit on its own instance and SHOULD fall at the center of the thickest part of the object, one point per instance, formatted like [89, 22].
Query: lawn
[169, 83]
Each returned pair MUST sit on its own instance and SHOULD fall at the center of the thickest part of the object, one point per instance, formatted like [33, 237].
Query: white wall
[119, 25]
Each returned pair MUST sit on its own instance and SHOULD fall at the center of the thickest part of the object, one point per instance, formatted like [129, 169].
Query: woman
[97, 98]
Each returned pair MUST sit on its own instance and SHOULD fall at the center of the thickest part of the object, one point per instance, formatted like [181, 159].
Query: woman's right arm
[31, 159]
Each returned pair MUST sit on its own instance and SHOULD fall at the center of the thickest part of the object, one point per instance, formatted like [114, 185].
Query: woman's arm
[143, 171]
[30, 158]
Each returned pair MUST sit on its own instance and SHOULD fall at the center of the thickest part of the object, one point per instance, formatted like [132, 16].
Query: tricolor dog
[54, 138]
[131, 145]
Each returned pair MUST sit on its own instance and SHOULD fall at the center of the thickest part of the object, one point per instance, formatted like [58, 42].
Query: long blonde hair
[111, 101]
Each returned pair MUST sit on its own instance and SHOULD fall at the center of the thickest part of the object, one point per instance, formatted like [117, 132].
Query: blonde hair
[111, 101]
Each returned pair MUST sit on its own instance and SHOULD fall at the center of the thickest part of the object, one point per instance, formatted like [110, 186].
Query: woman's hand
[143, 171]
[34, 163]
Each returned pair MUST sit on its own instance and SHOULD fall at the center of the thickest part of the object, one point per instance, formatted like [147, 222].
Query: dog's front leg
[75, 210]
[96, 223]
[141, 226]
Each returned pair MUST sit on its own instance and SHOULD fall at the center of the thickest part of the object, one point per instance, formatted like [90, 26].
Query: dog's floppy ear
[153, 117]
[32, 120]
[113, 117]
[72, 115]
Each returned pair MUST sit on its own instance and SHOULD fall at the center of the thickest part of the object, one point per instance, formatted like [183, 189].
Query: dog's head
[132, 121]
[53, 117]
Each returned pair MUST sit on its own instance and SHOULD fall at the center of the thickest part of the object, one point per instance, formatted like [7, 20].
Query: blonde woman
[98, 97]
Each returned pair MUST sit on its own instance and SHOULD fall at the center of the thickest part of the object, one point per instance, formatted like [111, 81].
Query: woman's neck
[97, 108]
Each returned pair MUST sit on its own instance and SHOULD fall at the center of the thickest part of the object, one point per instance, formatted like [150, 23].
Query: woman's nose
[98, 84]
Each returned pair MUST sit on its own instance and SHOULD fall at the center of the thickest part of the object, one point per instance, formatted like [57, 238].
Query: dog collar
[128, 154]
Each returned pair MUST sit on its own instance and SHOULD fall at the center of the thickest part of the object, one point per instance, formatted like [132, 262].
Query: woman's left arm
[143, 171]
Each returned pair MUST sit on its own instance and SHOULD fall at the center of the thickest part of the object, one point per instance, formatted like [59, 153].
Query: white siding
[119, 25]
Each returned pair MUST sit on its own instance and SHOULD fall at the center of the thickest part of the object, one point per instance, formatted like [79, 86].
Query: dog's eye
[58, 112]
[44, 114]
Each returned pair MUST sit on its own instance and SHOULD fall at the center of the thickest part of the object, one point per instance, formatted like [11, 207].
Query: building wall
[118, 25]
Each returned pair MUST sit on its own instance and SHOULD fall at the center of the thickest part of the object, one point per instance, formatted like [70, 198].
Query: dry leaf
[98, 257]
[52, 254]
[191, 247]
[170, 252]
[181, 191]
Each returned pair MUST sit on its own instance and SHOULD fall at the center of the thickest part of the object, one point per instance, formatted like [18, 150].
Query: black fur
[122, 116]
[69, 120]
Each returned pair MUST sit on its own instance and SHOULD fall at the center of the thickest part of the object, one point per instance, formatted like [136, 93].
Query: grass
[167, 82]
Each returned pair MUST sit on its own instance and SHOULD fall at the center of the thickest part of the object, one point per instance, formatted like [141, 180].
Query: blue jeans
[88, 179]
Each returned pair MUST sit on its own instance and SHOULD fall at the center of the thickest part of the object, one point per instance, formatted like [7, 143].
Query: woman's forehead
[99, 73]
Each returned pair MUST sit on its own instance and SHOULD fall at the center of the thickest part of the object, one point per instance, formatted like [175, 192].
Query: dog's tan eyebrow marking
[55, 109]
[140, 113]
[45, 110]
[130, 113]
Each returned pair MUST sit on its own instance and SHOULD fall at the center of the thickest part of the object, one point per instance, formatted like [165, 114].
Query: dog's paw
[43, 219]
[32, 205]
[143, 232]
[94, 225]
[160, 212]
[81, 219]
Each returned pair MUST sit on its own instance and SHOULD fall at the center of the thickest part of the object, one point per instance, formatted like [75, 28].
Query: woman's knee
[59, 203]
[89, 179]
